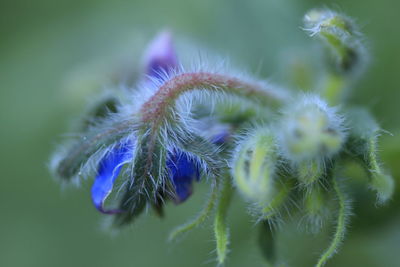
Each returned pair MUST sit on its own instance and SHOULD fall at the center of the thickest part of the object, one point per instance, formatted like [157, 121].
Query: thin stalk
[220, 226]
[340, 227]
[200, 218]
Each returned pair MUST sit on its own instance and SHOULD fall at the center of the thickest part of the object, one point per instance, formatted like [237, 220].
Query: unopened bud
[160, 56]
[311, 131]
[340, 34]
[254, 166]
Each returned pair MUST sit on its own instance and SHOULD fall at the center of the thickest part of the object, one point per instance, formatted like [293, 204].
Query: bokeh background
[54, 52]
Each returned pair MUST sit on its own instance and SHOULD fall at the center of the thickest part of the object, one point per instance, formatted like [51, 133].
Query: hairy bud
[363, 145]
[311, 131]
[340, 34]
[160, 56]
[254, 166]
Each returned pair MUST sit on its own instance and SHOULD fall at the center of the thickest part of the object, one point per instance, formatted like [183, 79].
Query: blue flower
[108, 171]
[183, 170]
[160, 58]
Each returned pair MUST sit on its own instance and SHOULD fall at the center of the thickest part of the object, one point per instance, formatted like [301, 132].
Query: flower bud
[383, 184]
[340, 34]
[160, 56]
[363, 145]
[311, 131]
[254, 166]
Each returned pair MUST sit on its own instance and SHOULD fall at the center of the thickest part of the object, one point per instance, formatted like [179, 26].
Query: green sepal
[131, 205]
[79, 151]
[147, 180]
[100, 109]
[316, 206]
[362, 146]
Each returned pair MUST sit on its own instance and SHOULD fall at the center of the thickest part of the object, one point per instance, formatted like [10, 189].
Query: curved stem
[201, 217]
[273, 207]
[334, 88]
[340, 227]
[381, 182]
[161, 104]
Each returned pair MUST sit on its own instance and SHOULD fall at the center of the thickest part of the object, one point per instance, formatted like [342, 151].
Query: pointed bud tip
[160, 55]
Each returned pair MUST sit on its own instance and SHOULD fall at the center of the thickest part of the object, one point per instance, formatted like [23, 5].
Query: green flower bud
[341, 35]
[254, 166]
[311, 131]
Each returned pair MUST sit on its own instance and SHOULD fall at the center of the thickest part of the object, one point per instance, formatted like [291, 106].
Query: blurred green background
[43, 43]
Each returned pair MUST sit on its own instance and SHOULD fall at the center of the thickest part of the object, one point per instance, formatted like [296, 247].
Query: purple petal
[160, 56]
[183, 171]
[109, 169]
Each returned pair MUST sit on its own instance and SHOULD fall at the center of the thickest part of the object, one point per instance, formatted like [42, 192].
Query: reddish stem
[156, 108]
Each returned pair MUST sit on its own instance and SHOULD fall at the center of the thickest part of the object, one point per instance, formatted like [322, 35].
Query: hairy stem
[159, 109]
[381, 182]
[161, 104]
[201, 217]
[334, 87]
[220, 226]
[340, 227]
[83, 148]
[273, 207]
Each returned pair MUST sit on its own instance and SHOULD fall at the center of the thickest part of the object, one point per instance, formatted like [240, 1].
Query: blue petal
[183, 171]
[109, 169]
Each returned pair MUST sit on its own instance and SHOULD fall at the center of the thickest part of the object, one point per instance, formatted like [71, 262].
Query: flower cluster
[274, 146]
